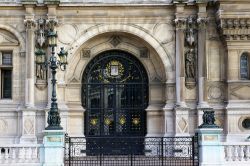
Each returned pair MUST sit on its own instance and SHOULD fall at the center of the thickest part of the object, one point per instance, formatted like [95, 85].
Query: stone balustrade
[10, 1]
[237, 153]
[19, 154]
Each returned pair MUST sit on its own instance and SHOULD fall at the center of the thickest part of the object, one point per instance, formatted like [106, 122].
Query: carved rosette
[202, 22]
[51, 23]
[180, 23]
[235, 29]
[30, 23]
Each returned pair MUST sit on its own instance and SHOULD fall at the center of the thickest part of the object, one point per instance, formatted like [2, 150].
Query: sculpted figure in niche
[190, 63]
[40, 73]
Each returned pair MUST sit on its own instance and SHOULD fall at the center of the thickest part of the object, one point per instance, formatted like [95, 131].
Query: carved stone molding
[144, 52]
[180, 23]
[30, 23]
[115, 41]
[234, 29]
[180, 1]
[85, 53]
[202, 22]
[41, 84]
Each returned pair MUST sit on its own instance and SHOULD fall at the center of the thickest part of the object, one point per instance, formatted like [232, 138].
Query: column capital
[30, 23]
[51, 23]
[180, 23]
[202, 22]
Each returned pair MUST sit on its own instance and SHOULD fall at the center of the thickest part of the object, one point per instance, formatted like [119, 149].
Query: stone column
[181, 111]
[29, 111]
[202, 21]
[29, 23]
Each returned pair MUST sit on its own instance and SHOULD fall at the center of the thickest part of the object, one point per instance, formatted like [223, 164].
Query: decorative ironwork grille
[115, 95]
[154, 151]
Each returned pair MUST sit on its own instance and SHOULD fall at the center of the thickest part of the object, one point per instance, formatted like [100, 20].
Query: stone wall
[175, 107]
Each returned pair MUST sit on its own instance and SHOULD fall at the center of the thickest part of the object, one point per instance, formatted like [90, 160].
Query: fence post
[162, 151]
[53, 151]
[70, 146]
[210, 147]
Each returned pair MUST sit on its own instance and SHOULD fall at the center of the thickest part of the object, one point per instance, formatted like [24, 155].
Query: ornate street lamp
[54, 119]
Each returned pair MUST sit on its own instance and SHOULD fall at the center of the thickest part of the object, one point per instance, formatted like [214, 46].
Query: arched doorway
[115, 96]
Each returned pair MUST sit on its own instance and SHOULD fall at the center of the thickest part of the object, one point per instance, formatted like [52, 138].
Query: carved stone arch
[129, 29]
[151, 73]
[17, 34]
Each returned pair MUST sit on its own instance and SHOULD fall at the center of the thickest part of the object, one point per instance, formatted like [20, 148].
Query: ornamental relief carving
[28, 126]
[235, 28]
[182, 125]
[67, 33]
[215, 91]
[241, 92]
[3, 126]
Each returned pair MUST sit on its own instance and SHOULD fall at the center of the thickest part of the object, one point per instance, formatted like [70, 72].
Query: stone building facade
[196, 55]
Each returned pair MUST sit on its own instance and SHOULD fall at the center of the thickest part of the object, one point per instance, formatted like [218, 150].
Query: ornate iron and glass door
[115, 95]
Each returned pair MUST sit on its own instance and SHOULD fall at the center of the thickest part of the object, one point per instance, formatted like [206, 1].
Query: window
[244, 66]
[6, 74]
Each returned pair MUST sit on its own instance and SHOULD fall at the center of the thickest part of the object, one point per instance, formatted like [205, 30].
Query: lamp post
[53, 119]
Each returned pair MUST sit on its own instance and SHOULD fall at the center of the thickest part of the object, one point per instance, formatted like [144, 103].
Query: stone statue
[40, 72]
[190, 63]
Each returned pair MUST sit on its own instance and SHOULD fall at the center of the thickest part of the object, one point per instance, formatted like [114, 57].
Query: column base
[202, 105]
[210, 146]
[53, 143]
[181, 105]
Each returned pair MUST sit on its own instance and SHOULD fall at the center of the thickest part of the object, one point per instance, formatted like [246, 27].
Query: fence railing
[132, 151]
[19, 154]
[236, 152]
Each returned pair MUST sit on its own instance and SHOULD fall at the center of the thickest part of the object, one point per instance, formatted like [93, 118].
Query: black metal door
[115, 95]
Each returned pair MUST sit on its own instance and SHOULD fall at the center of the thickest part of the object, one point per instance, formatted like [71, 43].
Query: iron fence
[131, 151]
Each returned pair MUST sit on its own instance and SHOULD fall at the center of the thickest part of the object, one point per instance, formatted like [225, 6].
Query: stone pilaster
[168, 109]
[202, 22]
[155, 121]
[29, 112]
[181, 125]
